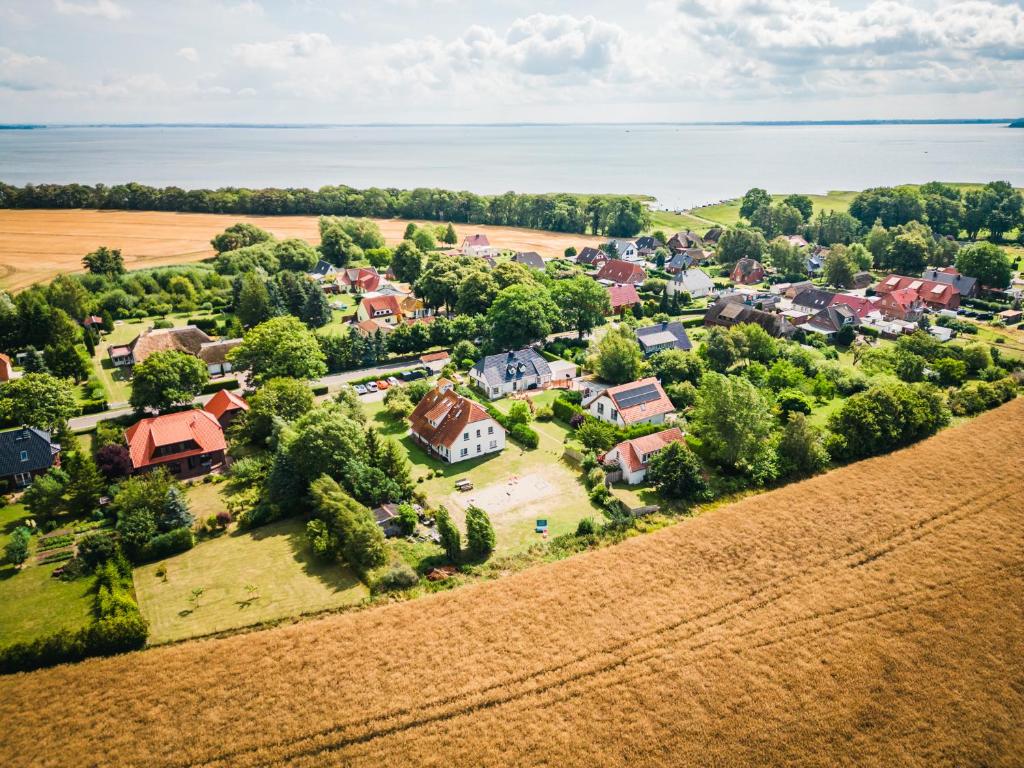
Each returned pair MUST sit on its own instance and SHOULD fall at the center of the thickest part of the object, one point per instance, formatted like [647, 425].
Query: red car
[381, 384]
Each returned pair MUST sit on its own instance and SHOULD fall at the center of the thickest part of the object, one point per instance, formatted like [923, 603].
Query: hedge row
[565, 410]
[216, 386]
[978, 396]
[166, 544]
[205, 324]
[93, 406]
[117, 627]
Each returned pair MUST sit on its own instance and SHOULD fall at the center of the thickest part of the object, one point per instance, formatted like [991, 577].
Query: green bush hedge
[564, 410]
[216, 386]
[93, 406]
[166, 544]
[205, 324]
[523, 435]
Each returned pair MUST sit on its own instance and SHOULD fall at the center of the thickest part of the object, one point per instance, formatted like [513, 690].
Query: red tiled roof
[928, 291]
[618, 271]
[642, 410]
[452, 413]
[388, 305]
[631, 451]
[475, 240]
[858, 304]
[365, 277]
[905, 297]
[433, 357]
[622, 296]
[225, 401]
[145, 436]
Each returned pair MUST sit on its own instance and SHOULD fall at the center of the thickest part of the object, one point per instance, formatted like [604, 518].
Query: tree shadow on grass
[338, 577]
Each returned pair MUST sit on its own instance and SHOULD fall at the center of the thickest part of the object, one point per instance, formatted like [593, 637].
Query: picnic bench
[464, 485]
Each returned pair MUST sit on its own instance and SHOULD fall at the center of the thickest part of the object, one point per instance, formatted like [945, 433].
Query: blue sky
[518, 60]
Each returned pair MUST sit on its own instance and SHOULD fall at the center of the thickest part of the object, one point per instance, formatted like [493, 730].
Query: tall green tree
[480, 538]
[253, 305]
[616, 357]
[839, 268]
[280, 347]
[520, 315]
[85, 483]
[583, 303]
[677, 473]
[754, 198]
[104, 261]
[38, 400]
[451, 539]
[986, 262]
[733, 419]
[167, 378]
[737, 244]
[239, 235]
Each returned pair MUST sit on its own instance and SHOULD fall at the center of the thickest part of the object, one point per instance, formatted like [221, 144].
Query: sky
[458, 61]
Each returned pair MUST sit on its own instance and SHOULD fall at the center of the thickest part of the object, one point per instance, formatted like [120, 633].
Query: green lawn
[728, 214]
[515, 487]
[337, 326]
[276, 559]
[32, 602]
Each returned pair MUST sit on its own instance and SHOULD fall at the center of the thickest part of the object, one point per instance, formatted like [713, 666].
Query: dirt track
[36, 245]
[868, 617]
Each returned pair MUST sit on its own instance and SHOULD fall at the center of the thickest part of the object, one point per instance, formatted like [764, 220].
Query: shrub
[564, 410]
[544, 413]
[523, 435]
[167, 544]
[586, 527]
[398, 576]
[94, 406]
[96, 549]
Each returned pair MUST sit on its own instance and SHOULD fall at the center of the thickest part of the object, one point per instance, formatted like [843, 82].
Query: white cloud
[21, 72]
[188, 54]
[107, 9]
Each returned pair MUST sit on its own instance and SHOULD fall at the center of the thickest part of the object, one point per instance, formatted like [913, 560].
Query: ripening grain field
[36, 245]
[871, 616]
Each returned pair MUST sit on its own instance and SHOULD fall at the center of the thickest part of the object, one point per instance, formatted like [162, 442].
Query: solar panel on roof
[642, 394]
[938, 288]
[915, 285]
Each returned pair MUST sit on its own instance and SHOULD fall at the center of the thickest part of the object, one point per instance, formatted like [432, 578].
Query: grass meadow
[869, 616]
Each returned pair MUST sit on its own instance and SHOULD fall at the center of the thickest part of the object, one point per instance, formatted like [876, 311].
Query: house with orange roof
[382, 309]
[359, 279]
[901, 304]
[621, 272]
[632, 457]
[225, 405]
[933, 294]
[454, 428]
[639, 402]
[187, 443]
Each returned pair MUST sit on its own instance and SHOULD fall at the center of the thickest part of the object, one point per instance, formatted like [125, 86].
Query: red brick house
[934, 295]
[187, 443]
[902, 304]
[747, 272]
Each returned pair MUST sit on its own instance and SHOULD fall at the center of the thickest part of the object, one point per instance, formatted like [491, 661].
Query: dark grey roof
[962, 283]
[322, 268]
[589, 254]
[36, 445]
[682, 341]
[648, 243]
[531, 259]
[815, 298]
[509, 366]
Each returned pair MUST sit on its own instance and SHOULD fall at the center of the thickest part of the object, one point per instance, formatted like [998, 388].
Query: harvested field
[38, 244]
[866, 617]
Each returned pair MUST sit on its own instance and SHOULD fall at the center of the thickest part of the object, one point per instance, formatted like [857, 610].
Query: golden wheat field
[36, 245]
[871, 616]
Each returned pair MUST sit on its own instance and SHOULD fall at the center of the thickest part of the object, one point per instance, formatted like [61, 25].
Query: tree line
[615, 216]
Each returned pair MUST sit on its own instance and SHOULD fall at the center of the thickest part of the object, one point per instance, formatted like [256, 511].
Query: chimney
[664, 325]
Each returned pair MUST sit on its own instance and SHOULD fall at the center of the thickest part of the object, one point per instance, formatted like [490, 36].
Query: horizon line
[517, 124]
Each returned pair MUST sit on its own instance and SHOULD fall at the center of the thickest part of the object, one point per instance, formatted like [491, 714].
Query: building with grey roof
[513, 371]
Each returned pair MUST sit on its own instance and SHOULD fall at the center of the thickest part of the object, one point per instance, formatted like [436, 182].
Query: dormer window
[24, 455]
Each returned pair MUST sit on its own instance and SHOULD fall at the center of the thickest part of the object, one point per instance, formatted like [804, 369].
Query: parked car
[360, 389]
[371, 386]
[413, 375]
[393, 381]
[381, 384]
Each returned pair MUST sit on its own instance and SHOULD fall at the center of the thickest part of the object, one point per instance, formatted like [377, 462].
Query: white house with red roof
[454, 428]
[187, 443]
[632, 457]
[639, 402]
[478, 245]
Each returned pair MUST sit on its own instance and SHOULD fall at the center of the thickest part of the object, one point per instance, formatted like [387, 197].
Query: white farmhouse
[632, 457]
[454, 428]
[508, 372]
